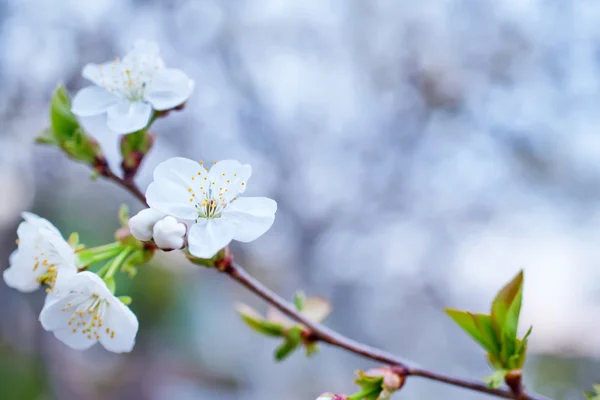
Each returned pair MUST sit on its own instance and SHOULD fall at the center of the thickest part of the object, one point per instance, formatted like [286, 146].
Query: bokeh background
[420, 152]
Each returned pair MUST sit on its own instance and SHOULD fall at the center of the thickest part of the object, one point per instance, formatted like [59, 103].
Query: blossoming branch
[199, 210]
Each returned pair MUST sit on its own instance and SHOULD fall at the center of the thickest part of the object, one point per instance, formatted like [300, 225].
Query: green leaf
[509, 345]
[291, 343]
[286, 348]
[485, 327]
[125, 300]
[62, 120]
[503, 302]
[469, 323]
[512, 316]
[255, 321]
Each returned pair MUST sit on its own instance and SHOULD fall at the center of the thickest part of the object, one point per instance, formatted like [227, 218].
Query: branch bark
[326, 335]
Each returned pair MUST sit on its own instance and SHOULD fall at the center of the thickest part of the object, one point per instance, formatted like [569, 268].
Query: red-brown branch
[323, 334]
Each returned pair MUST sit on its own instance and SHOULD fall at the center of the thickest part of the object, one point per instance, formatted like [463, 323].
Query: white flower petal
[231, 175]
[41, 251]
[123, 322]
[253, 216]
[142, 224]
[127, 117]
[107, 75]
[23, 281]
[169, 234]
[208, 236]
[85, 311]
[92, 100]
[52, 317]
[144, 57]
[168, 88]
[76, 341]
[176, 182]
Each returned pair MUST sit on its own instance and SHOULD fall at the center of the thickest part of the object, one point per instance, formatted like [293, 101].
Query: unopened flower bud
[331, 396]
[169, 234]
[141, 225]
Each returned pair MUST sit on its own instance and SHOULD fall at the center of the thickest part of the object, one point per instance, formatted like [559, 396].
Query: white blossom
[142, 224]
[128, 90]
[85, 312]
[207, 201]
[42, 256]
[169, 234]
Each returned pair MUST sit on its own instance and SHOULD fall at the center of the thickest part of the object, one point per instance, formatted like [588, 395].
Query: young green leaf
[299, 299]
[286, 348]
[62, 120]
[503, 301]
[255, 321]
[467, 322]
[292, 341]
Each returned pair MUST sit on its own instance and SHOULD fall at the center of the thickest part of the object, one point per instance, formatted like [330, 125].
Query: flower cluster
[127, 91]
[80, 309]
[192, 208]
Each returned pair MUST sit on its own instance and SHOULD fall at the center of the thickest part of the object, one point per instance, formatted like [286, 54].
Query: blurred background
[421, 154]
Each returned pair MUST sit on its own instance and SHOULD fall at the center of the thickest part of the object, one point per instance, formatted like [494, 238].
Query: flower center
[49, 276]
[124, 80]
[88, 317]
[212, 196]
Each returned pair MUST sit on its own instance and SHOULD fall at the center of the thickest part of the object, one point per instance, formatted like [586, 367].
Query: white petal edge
[253, 216]
[93, 100]
[168, 89]
[124, 323]
[127, 117]
[207, 237]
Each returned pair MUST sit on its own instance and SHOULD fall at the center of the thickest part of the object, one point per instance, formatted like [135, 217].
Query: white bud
[142, 224]
[169, 234]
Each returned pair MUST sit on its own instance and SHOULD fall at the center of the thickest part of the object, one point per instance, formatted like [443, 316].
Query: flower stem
[95, 254]
[110, 268]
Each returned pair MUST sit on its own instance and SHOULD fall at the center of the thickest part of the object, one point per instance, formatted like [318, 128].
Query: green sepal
[111, 284]
[125, 300]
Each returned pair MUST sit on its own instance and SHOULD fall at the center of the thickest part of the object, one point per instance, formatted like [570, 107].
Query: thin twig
[323, 334]
[129, 185]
